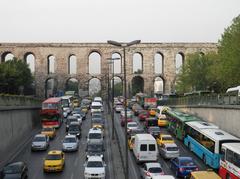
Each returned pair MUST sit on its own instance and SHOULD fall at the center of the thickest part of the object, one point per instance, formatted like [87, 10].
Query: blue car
[183, 166]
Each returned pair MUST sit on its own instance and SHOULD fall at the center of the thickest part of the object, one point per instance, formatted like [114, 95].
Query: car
[75, 103]
[129, 113]
[95, 134]
[79, 111]
[162, 120]
[143, 115]
[138, 130]
[148, 170]
[97, 122]
[69, 120]
[183, 166]
[169, 150]
[119, 108]
[54, 161]
[123, 121]
[153, 111]
[70, 143]
[131, 140]
[74, 129]
[95, 148]
[40, 142]
[163, 177]
[164, 138]
[49, 131]
[94, 168]
[137, 110]
[131, 126]
[84, 109]
[79, 117]
[154, 131]
[15, 170]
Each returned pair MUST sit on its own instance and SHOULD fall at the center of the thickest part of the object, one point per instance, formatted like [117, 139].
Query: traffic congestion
[164, 143]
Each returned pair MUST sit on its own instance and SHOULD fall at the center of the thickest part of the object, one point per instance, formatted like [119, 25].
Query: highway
[135, 168]
[74, 161]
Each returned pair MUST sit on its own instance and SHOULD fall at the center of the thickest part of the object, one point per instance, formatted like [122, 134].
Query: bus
[51, 113]
[67, 104]
[177, 121]
[205, 140]
[230, 161]
[234, 95]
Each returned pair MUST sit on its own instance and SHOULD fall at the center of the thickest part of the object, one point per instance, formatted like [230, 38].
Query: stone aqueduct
[62, 51]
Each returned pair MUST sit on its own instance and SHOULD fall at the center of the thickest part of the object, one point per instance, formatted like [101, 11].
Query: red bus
[51, 114]
[230, 161]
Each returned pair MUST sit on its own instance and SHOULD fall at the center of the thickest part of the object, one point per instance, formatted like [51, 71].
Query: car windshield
[172, 149]
[94, 164]
[96, 107]
[186, 162]
[74, 128]
[95, 136]
[65, 103]
[155, 170]
[70, 140]
[155, 129]
[54, 157]
[12, 169]
[39, 139]
[132, 125]
[96, 120]
[47, 129]
[97, 116]
[167, 138]
[94, 147]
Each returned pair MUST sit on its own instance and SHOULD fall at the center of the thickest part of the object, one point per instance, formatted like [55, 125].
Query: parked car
[169, 150]
[154, 131]
[49, 131]
[148, 170]
[40, 142]
[95, 148]
[54, 161]
[70, 143]
[94, 168]
[183, 166]
[15, 170]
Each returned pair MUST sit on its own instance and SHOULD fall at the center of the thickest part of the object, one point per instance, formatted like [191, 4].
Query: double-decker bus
[177, 121]
[230, 161]
[205, 140]
[51, 113]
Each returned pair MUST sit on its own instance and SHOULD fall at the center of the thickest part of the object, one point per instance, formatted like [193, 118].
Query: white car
[132, 126]
[129, 113]
[70, 143]
[119, 108]
[95, 134]
[148, 170]
[94, 168]
[79, 117]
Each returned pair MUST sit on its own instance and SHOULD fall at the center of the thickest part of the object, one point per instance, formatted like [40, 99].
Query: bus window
[223, 154]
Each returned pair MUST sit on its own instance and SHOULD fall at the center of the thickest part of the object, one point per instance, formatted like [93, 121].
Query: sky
[119, 20]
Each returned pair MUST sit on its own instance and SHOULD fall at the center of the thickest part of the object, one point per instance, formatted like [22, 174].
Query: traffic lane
[74, 161]
[133, 167]
[166, 163]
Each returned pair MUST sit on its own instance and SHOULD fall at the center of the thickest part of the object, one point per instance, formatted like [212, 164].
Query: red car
[143, 115]
[123, 121]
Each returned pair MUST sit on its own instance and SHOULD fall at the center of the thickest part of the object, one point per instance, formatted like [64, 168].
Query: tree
[229, 54]
[14, 75]
[197, 73]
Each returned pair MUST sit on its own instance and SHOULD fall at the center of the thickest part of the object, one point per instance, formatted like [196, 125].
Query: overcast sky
[120, 20]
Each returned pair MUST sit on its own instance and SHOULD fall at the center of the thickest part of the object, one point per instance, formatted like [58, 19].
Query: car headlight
[101, 155]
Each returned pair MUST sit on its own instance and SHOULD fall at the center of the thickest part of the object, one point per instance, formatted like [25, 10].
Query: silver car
[148, 170]
[169, 150]
[70, 143]
[40, 142]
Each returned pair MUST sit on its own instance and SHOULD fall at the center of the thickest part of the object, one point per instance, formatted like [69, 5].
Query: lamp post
[123, 46]
[111, 61]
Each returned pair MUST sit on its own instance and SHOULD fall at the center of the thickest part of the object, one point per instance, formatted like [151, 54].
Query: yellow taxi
[131, 141]
[162, 121]
[49, 131]
[153, 111]
[164, 138]
[54, 162]
[84, 109]
[204, 174]
[75, 103]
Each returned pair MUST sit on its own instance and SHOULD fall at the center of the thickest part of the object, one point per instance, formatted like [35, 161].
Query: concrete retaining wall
[226, 117]
[16, 126]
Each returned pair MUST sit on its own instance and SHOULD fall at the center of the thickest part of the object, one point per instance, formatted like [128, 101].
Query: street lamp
[111, 61]
[123, 46]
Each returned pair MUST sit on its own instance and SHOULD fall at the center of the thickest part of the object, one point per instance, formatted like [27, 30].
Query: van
[98, 99]
[145, 148]
[96, 107]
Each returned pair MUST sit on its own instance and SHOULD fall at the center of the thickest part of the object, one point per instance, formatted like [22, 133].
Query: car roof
[185, 158]
[74, 123]
[95, 142]
[153, 164]
[70, 136]
[132, 122]
[95, 158]
[40, 135]
[95, 130]
[170, 145]
[20, 163]
[54, 152]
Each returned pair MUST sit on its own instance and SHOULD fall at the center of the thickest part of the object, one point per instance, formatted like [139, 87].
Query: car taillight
[147, 174]
[181, 169]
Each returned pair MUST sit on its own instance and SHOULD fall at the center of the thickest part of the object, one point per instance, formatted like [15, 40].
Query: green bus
[177, 122]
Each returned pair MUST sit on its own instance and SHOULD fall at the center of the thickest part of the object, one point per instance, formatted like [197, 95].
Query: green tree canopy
[13, 75]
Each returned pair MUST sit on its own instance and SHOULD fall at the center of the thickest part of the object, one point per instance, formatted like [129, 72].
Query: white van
[96, 107]
[98, 99]
[145, 148]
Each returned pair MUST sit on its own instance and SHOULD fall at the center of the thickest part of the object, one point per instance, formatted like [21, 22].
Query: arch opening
[137, 63]
[30, 60]
[158, 63]
[51, 64]
[94, 88]
[72, 64]
[50, 87]
[118, 86]
[94, 65]
[158, 86]
[117, 63]
[179, 60]
[72, 85]
[137, 85]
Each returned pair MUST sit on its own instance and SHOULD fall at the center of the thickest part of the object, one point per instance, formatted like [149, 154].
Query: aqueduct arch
[81, 51]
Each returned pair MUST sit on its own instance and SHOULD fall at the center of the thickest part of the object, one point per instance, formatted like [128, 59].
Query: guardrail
[209, 99]
[15, 100]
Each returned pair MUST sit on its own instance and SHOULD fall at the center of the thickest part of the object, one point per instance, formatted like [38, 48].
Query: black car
[16, 170]
[79, 111]
[74, 129]
[154, 131]
[69, 120]
[95, 148]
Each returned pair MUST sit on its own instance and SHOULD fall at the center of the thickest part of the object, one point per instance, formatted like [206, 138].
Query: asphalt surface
[74, 161]
[134, 169]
